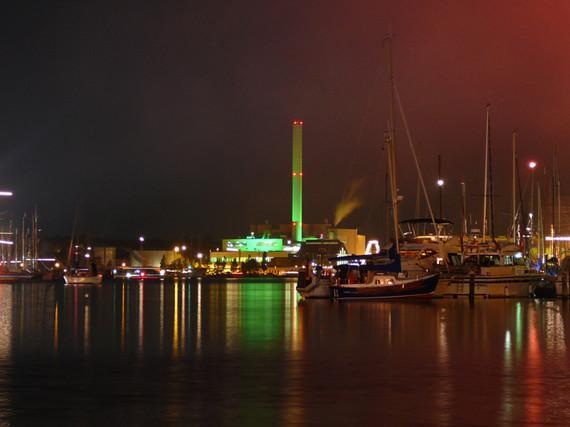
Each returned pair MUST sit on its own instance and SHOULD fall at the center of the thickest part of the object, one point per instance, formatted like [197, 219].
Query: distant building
[105, 257]
[355, 243]
[150, 258]
[273, 246]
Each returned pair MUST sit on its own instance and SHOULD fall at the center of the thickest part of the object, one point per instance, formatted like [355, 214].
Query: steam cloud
[350, 202]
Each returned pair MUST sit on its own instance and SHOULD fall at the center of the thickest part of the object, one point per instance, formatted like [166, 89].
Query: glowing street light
[440, 183]
[532, 166]
[141, 241]
[176, 249]
[6, 194]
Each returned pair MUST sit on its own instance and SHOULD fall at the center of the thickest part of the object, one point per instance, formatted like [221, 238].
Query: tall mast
[485, 185]
[35, 239]
[555, 227]
[390, 144]
[553, 203]
[72, 238]
[540, 225]
[514, 188]
[491, 188]
[23, 241]
[463, 227]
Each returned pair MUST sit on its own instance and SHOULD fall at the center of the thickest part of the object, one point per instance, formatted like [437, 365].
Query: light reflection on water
[252, 353]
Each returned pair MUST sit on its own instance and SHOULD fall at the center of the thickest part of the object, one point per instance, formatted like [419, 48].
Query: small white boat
[316, 285]
[82, 278]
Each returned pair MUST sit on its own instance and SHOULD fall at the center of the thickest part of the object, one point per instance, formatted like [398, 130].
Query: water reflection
[252, 353]
[5, 321]
[444, 386]
[534, 369]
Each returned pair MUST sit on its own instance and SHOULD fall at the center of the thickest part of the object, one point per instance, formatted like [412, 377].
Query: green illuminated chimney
[297, 202]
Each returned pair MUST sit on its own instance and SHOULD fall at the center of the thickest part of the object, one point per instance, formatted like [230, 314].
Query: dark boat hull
[423, 287]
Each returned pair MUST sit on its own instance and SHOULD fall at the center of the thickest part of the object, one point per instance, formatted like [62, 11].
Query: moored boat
[15, 276]
[82, 277]
[315, 284]
[387, 286]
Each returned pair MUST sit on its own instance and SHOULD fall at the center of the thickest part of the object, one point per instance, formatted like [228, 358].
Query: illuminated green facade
[297, 199]
[252, 245]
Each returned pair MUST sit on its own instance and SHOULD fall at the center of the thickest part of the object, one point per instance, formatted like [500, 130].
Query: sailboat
[488, 268]
[378, 276]
[82, 277]
[75, 275]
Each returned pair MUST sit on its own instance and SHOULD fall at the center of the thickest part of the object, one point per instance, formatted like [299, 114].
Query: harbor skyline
[178, 116]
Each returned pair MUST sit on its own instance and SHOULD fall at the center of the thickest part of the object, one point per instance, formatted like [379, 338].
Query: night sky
[174, 118]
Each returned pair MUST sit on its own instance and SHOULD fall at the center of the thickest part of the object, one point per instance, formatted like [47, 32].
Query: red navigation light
[532, 164]
[297, 122]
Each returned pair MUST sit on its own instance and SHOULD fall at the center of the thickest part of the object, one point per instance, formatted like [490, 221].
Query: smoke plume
[349, 203]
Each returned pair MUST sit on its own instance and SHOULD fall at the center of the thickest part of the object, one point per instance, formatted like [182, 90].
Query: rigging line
[416, 162]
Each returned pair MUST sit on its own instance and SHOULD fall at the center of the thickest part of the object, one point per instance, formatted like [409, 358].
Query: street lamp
[440, 182]
[200, 255]
[141, 241]
[532, 166]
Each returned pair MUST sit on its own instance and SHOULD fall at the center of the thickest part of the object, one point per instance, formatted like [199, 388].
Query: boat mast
[35, 239]
[555, 225]
[23, 264]
[485, 185]
[540, 225]
[390, 143]
[491, 189]
[524, 239]
[71, 240]
[559, 206]
[514, 187]
[463, 227]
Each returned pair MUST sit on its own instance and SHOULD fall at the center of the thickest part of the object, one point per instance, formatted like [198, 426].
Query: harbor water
[251, 353]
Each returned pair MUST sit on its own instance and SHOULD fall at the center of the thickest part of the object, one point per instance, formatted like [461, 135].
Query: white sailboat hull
[83, 280]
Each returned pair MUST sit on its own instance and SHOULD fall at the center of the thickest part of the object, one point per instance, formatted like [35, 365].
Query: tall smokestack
[297, 202]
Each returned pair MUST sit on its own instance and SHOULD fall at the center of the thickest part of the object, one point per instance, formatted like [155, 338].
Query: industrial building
[276, 245]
